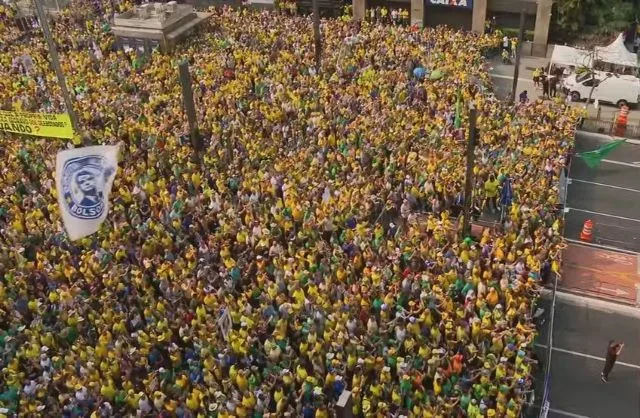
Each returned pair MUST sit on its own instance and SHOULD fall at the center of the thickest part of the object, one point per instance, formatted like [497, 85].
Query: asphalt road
[580, 336]
[608, 195]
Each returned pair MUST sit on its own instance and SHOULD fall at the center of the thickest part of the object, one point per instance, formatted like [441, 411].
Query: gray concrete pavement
[580, 336]
[609, 195]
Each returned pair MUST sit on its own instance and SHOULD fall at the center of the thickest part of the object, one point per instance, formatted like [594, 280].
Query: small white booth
[569, 57]
[616, 58]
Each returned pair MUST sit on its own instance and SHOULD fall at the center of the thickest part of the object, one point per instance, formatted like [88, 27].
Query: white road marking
[589, 356]
[620, 163]
[510, 77]
[603, 137]
[602, 214]
[567, 414]
[604, 185]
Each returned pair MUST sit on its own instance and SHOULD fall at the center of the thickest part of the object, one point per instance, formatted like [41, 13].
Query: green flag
[457, 122]
[593, 158]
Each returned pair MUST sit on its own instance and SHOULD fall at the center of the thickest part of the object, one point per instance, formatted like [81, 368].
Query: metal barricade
[546, 400]
[606, 127]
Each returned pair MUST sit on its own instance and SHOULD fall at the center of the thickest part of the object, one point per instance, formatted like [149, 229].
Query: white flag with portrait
[84, 177]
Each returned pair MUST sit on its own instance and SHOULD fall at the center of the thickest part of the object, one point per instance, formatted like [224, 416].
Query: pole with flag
[593, 158]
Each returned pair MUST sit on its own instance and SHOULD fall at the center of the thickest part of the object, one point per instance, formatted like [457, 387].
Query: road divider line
[568, 209]
[509, 77]
[603, 137]
[604, 185]
[620, 163]
[566, 413]
[579, 354]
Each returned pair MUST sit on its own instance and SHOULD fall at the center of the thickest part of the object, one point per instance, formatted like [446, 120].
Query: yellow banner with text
[39, 124]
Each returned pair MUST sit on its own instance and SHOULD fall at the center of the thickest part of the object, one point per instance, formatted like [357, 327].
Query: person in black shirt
[613, 351]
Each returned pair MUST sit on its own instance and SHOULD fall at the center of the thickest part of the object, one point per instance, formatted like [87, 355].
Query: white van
[617, 89]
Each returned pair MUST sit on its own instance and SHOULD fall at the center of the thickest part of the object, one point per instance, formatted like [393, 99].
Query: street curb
[600, 246]
[609, 137]
[596, 296]
[591, 301]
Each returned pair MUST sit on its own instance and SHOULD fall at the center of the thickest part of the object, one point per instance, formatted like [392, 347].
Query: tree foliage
[593, 17]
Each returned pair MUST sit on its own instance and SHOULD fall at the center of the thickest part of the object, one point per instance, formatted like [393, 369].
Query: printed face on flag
[82, 185]
[84, 177]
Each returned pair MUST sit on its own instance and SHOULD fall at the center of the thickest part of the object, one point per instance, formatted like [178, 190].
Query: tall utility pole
[316, 33]
[55, 63]
[468, 183]
[516, 69]
[189, 106]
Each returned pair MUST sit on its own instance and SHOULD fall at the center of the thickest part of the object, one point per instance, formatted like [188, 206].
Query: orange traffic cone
[587, 231]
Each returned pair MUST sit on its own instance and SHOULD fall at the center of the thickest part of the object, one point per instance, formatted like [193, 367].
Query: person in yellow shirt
[492, 190]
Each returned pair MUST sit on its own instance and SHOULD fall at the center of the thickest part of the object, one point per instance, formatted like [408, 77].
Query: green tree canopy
[593, 17]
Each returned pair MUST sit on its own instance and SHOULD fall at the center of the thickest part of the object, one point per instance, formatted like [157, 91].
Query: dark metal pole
[55, 63]
[189, 105]
[468, 184]
[516, 69]
[316, 33]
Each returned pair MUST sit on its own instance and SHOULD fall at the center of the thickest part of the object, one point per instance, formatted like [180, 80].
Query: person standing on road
[536, 77]
[545, 86]
[553, 84]
[491, 190]
[613, 351]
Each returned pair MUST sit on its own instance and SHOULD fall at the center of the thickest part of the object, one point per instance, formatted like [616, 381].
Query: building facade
[156, 25]
[472, 15]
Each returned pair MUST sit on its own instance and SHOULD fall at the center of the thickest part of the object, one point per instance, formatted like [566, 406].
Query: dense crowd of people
[311, 248]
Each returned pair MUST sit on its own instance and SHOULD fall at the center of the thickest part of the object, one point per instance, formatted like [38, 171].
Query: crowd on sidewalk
[310, 249]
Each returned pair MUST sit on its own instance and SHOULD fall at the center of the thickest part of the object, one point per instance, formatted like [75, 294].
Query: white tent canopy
[617, 54]
[566, 56]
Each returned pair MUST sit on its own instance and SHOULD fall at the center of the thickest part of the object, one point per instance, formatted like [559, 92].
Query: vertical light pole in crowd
[516, 69]
[189, 106]
[316, 33]
[468, 183]
[55, 63]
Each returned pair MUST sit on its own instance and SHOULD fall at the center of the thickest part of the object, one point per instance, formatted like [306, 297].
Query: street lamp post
[189, 106]
[468, 184]
[55, 63]
[316, 34]
[518, 52]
